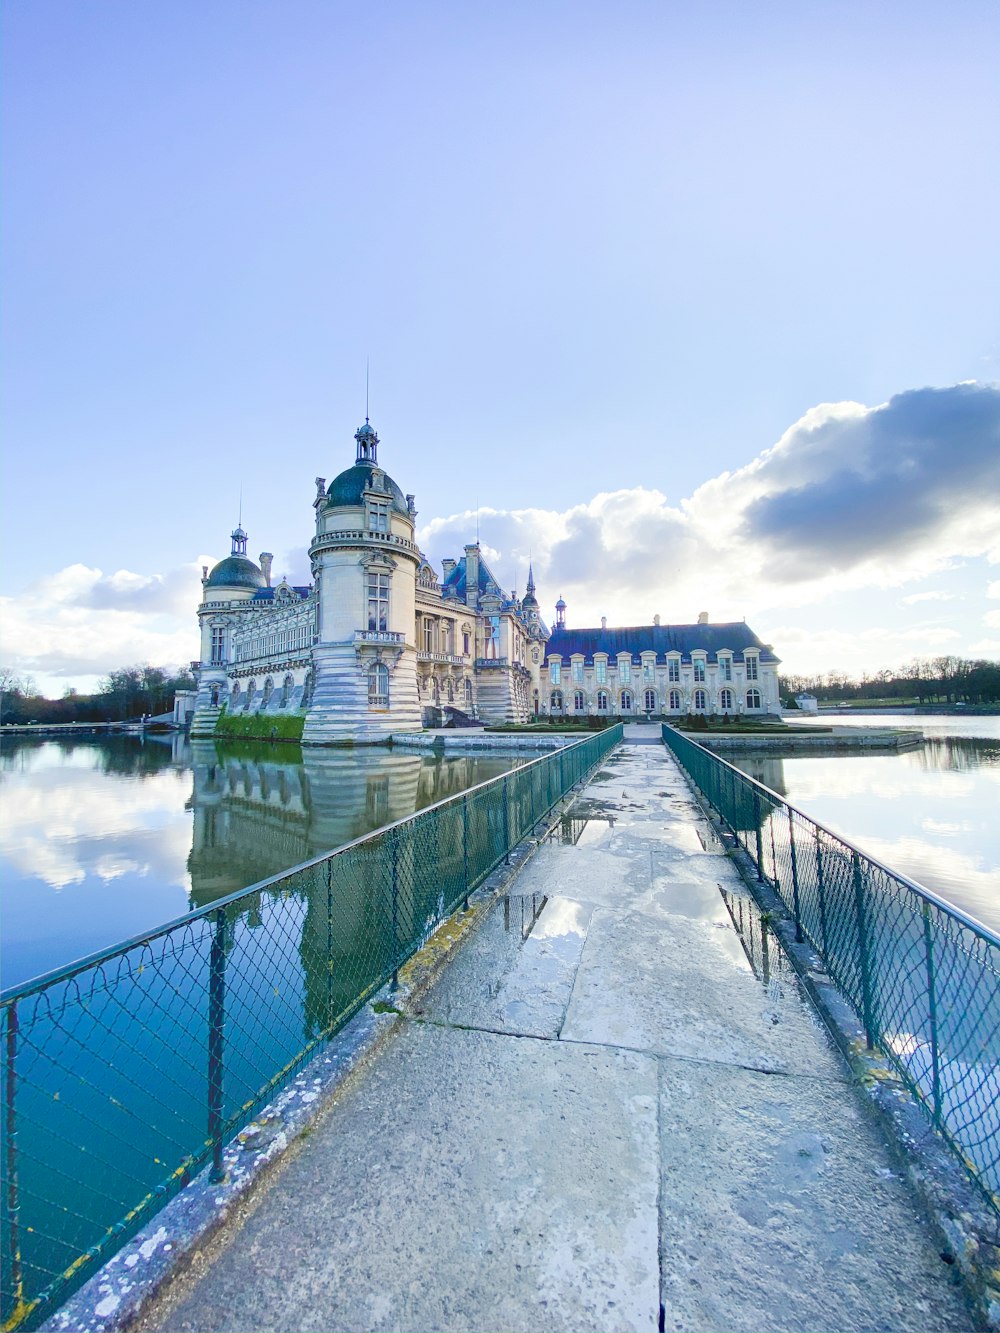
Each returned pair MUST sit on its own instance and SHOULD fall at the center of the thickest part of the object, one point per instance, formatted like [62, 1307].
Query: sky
[696, 306]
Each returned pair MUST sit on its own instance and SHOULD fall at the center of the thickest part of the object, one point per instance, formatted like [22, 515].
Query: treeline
[128, 693]
[925, 680]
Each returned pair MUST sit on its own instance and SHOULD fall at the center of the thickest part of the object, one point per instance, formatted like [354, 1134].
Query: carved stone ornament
[366, 655]
[378, 559]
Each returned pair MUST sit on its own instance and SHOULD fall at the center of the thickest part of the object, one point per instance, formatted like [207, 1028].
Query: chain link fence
[923, 976]
[128, 1072]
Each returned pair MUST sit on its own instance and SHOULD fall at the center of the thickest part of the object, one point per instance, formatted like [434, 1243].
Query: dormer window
[726, 668]
[624, 670]
[673, 668]
[751, 668]
[699, 668]
[601, 670]
[378, 515]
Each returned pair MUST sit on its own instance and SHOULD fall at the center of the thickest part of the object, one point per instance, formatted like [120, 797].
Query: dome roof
[347, 490]
[236, 571]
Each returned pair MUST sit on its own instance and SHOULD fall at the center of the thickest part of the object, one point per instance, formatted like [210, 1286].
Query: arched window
[307, 689]
[215, 696]
[753, 698]
[649, 702]
[378, 686]
[451, 690]
[578, 701]
[555, 701]
[699, 701]
[268, 691]
[236, 693]
[602, 701]
[626, 701]
[468, 692]
[286, 690]
[251, 691]
[726, 701]
[675, 701]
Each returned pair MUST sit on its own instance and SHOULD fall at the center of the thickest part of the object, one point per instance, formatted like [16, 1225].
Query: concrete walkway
[600, 1108]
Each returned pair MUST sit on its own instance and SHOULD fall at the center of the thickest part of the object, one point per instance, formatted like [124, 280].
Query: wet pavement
[615, 1097]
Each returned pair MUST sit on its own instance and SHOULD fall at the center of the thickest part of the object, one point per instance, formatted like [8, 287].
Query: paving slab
[782, 1213]
[471, 1181]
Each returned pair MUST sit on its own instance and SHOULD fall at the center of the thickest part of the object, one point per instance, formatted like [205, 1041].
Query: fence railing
[127, 1072]
[923, 976]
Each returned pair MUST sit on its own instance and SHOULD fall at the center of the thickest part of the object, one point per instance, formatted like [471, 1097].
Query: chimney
[656, 620]
[265, 567]
[604, 622]
[447, 565]
[472, 575]
[702, 617]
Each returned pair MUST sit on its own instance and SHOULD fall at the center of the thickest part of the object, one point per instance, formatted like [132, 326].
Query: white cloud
[993, 589]
[75, 625]
[992, 619]
[916, 597]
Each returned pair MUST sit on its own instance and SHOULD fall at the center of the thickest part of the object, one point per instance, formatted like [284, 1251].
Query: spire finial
[367, 360]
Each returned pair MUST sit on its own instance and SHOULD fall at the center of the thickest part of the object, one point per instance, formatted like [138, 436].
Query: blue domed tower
[364, 560]
[226, 590]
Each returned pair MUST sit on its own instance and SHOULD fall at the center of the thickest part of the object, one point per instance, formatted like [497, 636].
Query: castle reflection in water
[258, 811]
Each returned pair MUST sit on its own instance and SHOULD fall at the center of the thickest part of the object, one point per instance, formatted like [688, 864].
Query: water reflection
[929, 812]
[103, 839]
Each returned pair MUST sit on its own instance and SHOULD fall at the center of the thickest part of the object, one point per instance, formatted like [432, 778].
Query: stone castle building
[379, 643]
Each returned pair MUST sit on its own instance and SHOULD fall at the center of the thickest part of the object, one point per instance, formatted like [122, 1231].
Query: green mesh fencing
[126, 1073]
[923, 976]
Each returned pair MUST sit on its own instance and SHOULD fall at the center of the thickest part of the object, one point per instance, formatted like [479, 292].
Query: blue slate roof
[267, 594]
[733, 637]
[236, 571]
[456, 584]
[347, 490]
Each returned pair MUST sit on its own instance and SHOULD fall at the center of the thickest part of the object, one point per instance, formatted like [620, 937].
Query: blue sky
[602, 258]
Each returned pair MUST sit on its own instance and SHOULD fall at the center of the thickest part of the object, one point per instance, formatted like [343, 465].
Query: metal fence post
[329, 944]
[13, 1193]
[866, 982]
[932, 1011]
[821, 885]
[795, 878]
[394, 840]
[757, 820]
[216, 1040]
[506, 821]
[465, 847]
[774, 856]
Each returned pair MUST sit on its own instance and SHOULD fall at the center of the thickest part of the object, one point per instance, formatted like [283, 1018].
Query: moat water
[103, 839]
[930, 812]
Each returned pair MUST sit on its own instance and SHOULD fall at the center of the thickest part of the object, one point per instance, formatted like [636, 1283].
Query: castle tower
[231, 583]
[364, 561]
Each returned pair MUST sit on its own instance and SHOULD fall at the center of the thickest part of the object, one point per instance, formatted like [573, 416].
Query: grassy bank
[260, 726]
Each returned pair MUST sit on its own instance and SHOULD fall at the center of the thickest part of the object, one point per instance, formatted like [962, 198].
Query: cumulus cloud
[76, 625]
[850, 497]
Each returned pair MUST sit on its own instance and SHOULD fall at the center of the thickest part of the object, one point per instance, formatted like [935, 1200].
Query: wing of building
[379, 643]
[658, 670]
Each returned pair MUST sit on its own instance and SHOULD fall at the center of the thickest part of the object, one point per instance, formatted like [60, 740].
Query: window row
[649, 701]
[625, 668]
[263, 645]
[245, 698]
